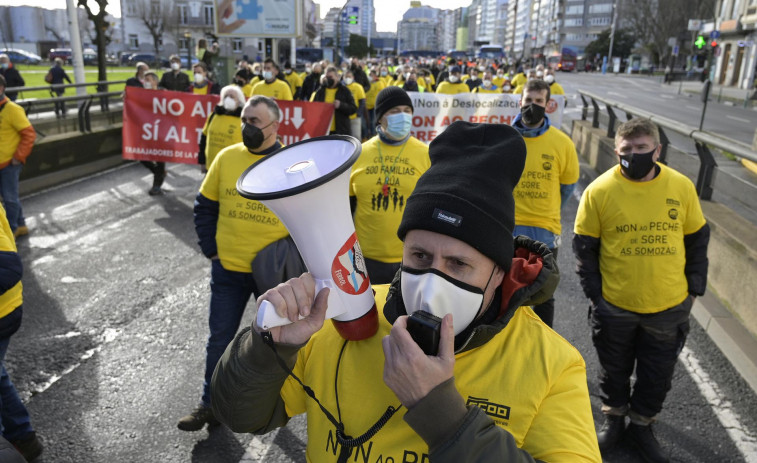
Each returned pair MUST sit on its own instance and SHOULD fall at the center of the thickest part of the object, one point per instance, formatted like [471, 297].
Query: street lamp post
[188, 43]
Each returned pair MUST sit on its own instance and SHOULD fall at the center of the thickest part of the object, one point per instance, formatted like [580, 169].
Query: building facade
[419, 29]
[737, 61]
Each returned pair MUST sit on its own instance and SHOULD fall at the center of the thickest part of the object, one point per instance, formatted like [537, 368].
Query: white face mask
[453, 79]
[500, 75]
[268, 75]
[348, 81]
[549, 79]
[148, 85]
[175, 66]
[229, 104]
[307, 70]
[481, 68]
[199, 78]
[506, 88]
[439, 294]
[487, 83]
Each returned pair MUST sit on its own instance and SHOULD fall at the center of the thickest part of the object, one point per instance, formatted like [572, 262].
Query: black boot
[610, 431]
[645, 441]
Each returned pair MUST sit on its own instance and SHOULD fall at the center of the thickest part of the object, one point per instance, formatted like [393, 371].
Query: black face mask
[532, 114]
[637, 165]
[252, 136]
[330, 82]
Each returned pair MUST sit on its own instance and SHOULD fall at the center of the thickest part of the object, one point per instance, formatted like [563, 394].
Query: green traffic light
[700, 42]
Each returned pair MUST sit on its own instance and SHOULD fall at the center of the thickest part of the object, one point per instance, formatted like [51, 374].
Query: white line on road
[258, 448]
[740, 119]
[745, 442]
[667, 97]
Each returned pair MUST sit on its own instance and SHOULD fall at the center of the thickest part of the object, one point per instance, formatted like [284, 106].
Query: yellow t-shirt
[201, 90]
[278, 89]
[518, 90]
[328, 97]
[377, 216]
[220, 131]
[294, 81]
[247, 90]
[244, 226]
[358, 94]
[12, 298]
[372, 93]
[12, 121]
[541, 399]
[551, 161]
[481, 89]
[640, 226]
[519, 79]
[556, 89]
[498, 81]
[449, 88]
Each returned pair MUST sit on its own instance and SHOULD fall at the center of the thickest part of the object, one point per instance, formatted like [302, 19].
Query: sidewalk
[720, 93]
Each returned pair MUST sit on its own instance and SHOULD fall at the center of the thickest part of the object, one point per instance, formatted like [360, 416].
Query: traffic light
[352, 19]
[700, 42]
[714, 43]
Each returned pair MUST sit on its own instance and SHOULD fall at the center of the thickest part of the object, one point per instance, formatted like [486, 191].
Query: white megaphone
[306, 185]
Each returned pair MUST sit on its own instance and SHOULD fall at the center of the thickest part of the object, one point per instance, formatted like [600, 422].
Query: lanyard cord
[347, 442]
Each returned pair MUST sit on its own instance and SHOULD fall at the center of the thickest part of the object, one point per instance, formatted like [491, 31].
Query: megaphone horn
[306, 185]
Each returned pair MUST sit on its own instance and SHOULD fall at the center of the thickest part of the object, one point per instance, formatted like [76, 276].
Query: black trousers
[649, 342]
[381, 273]
[158, 170]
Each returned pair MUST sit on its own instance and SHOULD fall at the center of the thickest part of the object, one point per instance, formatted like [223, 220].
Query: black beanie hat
[390, 97]
[467, 193]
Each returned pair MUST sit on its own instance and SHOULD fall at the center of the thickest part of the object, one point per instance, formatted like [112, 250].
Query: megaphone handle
[267, 317]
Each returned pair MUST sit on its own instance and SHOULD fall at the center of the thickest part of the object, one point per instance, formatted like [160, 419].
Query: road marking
[740, 119]
[745, 442]
[667, 97]
[695, 108]
[258, 448]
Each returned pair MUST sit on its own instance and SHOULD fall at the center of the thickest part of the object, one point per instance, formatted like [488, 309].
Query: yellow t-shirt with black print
[220, 131]
[551, 161]
[379, 210]
[372, 93]
[641, 226]
[244, 226]
[448, 88]
[278, 89]
[539, 395]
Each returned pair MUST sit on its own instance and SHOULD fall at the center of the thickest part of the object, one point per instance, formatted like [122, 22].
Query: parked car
[149, 59]
[19, 56]
[62, 53]
[90, 56]
[184, 62]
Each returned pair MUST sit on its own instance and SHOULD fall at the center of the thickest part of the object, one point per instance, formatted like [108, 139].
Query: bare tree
[102, 36]
[653, 22]
[159, 17]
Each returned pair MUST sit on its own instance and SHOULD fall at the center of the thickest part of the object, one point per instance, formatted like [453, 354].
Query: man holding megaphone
[232, 230]
[499, 386]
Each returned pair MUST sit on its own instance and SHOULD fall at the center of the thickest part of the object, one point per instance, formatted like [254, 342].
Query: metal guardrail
[702, 140]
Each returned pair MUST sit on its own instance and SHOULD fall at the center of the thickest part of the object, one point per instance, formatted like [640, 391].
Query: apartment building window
[134, 41]
[208, 9]
[236, 45]
[600, 8]
[183, 14]
[183, 43]
[574, 22]
[575, 9]
[601, 21]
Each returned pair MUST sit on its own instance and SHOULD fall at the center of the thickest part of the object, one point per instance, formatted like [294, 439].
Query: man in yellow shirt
[201, 84]
[554, 87]
[231, 231]
[453, 85]
[294, 80]
[370, 100]
[335, 92]
[487, 84]
[17, 135]
[641, 245]
[382, 180]
[499, 387]
[358, 94]
[548, 179]
[271, 86]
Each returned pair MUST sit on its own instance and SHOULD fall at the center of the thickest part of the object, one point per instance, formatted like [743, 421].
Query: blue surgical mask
[399, 125]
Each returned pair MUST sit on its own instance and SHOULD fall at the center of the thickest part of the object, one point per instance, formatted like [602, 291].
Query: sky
[388, 12]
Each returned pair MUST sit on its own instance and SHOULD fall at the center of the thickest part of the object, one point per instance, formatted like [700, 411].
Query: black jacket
[178, 82]
[346, 108]
[12, 79]
[309, 85]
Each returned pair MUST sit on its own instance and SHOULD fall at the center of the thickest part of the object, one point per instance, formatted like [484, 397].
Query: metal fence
[102, 98]
[704, 141]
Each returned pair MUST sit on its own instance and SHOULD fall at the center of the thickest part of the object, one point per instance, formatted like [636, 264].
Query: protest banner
[166, 126]
[433, 112]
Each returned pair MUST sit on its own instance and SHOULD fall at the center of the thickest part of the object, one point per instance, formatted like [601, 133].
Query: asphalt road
[111, 350]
